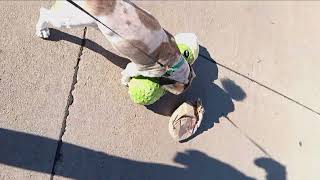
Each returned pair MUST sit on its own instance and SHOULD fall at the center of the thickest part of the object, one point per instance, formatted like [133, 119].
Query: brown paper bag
[185, 120]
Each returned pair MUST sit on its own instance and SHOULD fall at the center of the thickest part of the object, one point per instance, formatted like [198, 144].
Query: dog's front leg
[130, 71]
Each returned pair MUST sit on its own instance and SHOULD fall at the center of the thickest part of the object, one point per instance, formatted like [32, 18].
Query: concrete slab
[271, 122]
[116, 139]
[286, 131]
[276, 43]
[35, 78]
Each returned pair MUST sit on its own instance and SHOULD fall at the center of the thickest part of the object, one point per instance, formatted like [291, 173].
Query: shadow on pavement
[216, 101]
[57, 35]
[30, 152]
[233, 89]
[274, 170]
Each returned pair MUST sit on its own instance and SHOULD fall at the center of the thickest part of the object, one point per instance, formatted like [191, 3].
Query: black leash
[80, 8]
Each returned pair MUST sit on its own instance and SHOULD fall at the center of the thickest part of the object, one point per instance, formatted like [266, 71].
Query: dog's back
[142, 38]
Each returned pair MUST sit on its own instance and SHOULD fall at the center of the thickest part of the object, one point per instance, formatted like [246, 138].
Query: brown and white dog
[151, 49]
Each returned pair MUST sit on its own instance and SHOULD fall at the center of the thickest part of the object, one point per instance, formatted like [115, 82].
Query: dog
[133, 32]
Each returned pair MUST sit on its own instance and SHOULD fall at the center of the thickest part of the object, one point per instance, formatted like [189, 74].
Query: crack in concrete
[69, 103]
[249, 138]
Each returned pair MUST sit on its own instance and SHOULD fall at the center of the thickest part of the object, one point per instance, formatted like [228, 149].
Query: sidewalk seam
[262, 85]
[257, 145]
[69, 103]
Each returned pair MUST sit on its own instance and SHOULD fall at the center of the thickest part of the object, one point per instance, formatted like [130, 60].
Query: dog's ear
[176, 88]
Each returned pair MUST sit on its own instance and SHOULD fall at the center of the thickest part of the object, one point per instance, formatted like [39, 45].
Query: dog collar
[176, 66]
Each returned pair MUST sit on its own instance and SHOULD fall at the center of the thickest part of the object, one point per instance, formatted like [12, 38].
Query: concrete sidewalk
[262, 116]
[35, 78]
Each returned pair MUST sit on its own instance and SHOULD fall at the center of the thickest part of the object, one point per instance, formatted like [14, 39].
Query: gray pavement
[248, 132]
[255, 38]
[35, 82]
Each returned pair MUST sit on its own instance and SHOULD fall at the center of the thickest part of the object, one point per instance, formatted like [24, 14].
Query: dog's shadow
[57, 35]
[216, 101]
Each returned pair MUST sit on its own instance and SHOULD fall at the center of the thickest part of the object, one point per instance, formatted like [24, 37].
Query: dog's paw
[43, 33]
[125, 81]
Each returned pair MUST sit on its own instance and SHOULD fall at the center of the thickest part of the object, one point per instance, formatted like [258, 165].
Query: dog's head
[181, 74]
[178, 78]
[175, 87]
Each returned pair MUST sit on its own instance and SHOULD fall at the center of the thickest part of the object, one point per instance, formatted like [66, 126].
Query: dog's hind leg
[42, 29]
[62, 14]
